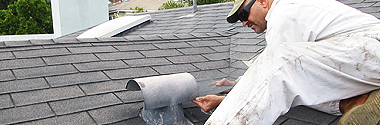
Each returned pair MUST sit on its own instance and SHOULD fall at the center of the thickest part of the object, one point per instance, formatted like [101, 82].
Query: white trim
[115, 26]
[26, 37]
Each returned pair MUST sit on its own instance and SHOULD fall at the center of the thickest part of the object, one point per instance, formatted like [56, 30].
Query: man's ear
[264, 3]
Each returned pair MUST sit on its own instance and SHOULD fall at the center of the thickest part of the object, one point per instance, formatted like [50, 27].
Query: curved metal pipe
[165, 90]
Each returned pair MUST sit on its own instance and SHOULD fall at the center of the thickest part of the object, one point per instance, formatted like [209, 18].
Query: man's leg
[291, 74]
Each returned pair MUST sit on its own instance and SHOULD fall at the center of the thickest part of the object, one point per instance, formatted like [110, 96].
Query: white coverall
[318, 52]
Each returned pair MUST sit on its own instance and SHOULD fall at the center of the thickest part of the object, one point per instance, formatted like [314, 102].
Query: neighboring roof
[146, 4]
[82, 81]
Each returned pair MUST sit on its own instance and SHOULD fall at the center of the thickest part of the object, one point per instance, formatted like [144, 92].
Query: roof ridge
[148, 37]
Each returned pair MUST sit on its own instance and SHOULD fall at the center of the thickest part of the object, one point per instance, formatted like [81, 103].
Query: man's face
[256, 18]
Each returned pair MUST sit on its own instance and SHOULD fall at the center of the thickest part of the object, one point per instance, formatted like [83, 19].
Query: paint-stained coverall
[318, 52]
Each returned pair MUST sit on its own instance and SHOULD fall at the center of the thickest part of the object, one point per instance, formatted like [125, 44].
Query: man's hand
[223, 82]
[208, 102]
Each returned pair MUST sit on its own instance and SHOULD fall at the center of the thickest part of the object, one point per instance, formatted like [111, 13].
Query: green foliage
[138, 10]
[4, 3]
[26, 17]
[202, 2]
[171, 5]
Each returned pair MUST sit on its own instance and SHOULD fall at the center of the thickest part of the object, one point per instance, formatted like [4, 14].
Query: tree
[171, 5]
[4, 3]
[27, 17]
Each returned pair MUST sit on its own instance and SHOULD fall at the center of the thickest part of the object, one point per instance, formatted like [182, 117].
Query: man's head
[251, 13]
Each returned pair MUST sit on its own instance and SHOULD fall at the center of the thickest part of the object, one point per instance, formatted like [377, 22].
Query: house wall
[74, 15]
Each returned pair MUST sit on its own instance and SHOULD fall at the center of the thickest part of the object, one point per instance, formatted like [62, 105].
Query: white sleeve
[287, 29]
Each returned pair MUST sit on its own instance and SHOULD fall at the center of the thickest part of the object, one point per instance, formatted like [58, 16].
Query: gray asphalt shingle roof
[82, 81]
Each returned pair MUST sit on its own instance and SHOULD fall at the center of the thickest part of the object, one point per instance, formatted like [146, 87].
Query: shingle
[377, 4]
[104, 65]
[2, 44]
[112, 43]
[238, 64]
[184, 36]
[6, 75]
[204, 43]
[147, 62]
[212, 65]
[21, 63]
[297, 122]
[172, 45]
[19, 48]
[70, 59]
[280, 120]
[17, 43]
[151, 37]
[203, 30]
[370, 10]
[217, 56]
[314, 116]
[84, 103]
[112, 39]
[351, 1]
[136, 47]
[104, 87]
[130, 96]
[254, 41]
[42, 41]
[214, 34]
[189, 104]
[5, 101]
[199, 50]
[226, 41]
[131, 73]
[132, 121]
[133, 38]
[242, 56]
[224, 48]
[246, 48]
[22, 85]
[79, 78]
[119, 55]
[88, 40]
[44, 71]
[200, 34]
[45, 95]
[161, 53]
[6, 55]
[25, 113]
[67, 45]
[361, 5]
[168, 36]
[116, 113]
[82, 118]
[246, 35]
[187, 59]
[222, 25]
[41, 52]
[175, 68]
[196, 112]
[237, 73]
[66, 40]
[92, 49]
[335, 122]
[208, 75]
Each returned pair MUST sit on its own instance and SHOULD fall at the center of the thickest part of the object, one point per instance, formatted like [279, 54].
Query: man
[320, 53]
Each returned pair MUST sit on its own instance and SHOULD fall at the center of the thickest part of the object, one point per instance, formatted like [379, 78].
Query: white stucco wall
[73, 15]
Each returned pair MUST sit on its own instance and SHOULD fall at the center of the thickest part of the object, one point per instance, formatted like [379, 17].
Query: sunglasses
[243, 16]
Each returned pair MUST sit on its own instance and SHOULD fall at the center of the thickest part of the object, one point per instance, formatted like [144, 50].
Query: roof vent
[115, 26]
[163, 96]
